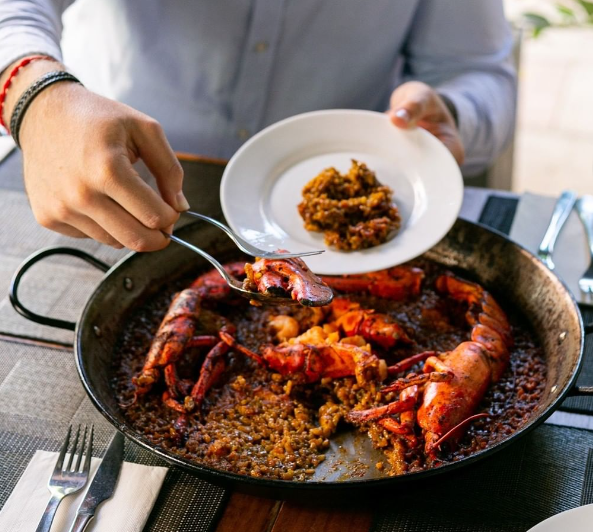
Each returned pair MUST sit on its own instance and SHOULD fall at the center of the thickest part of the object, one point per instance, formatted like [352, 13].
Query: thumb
[154, 149]
[409, 104]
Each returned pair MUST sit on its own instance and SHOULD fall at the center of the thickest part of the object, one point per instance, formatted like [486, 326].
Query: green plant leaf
[537, 22]
[566, 12]
[587, 6]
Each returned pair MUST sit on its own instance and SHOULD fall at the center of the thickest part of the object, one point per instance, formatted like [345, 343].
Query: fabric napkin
[6, 146]
[571, 255]
[137, 489]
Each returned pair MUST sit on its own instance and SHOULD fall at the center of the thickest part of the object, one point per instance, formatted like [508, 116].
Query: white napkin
[6, 146]
[571, 255]
[137, 489]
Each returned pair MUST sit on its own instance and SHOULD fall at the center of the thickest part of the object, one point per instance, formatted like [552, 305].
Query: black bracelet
[30, 94]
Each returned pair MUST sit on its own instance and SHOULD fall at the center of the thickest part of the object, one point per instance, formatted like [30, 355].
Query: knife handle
[81, 522]
[561, 211]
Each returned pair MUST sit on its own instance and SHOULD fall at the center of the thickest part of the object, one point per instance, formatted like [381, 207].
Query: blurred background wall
[554, 140]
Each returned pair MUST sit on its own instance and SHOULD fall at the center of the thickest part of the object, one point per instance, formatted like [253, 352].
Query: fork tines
[85, 449]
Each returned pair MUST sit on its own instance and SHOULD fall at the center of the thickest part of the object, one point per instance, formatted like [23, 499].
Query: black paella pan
[507, 270]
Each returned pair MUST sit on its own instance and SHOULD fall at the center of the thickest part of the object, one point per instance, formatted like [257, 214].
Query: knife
[103, 484]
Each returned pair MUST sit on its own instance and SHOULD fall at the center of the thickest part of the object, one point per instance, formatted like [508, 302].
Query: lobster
[319, 352]
[186, 314]
[374, 327]
[304, 360]
[395, 283]
[451, 384]
[279, 277]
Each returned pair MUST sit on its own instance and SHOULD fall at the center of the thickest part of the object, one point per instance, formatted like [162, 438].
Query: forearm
[486, 106]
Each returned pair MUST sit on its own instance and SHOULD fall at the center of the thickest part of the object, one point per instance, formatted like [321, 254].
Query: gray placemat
[40, 395]
[536, 477]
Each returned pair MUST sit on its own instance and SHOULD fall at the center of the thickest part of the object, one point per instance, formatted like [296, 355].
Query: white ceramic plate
[261, 186]
[575, 520]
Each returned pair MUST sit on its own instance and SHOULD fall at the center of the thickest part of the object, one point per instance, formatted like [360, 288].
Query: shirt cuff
[22, 41]
[450, 106]
[467, 118]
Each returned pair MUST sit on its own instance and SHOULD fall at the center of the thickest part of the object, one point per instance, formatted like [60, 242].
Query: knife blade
[103, 484]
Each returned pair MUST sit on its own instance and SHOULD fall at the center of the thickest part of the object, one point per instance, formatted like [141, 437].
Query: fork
[561, 212]
[67, 480]
[233, 283]
[585, 209]
[245, 246]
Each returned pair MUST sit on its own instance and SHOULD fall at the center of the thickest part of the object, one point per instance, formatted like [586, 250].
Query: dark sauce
[258, 423]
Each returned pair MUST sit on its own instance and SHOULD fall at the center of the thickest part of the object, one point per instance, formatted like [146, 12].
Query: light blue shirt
[214, 72]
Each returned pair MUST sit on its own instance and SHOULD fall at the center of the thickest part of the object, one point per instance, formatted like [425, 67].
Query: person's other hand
[78, 152]
[417, 104]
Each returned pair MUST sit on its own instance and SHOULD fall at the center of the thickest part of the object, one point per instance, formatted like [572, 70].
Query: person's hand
[417, 104]
[78, 151]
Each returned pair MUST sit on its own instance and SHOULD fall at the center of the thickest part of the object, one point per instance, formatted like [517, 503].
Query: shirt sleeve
[30, 27]
[464, 50]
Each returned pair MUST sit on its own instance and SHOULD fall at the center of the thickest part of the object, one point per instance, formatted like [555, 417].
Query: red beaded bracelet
[11, 76]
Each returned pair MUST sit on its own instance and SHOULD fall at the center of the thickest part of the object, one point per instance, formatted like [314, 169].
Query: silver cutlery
[561, 212]
[103, 484]
[247, 247]
[235, 284]
[585, 210]
[67, 480]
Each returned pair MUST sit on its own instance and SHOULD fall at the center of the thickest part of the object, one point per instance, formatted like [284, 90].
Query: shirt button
[243, 134]
[261, 46]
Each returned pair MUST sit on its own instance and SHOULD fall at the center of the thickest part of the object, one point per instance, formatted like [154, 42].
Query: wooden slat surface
[245, 513]
[295, 517]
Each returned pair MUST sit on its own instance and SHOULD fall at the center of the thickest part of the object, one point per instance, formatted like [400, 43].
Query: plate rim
[552, 522]
[456, 184]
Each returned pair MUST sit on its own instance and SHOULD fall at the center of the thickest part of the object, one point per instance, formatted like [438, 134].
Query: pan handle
[34, 259]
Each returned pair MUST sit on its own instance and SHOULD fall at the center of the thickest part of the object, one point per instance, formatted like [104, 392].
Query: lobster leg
[407, 363]
[232, 343]
[361, 416]
[173, 403]
[212, 368]
[202, 341]
[407, 418]
[415, 380]
[176, 386]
